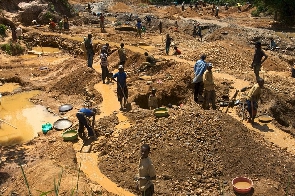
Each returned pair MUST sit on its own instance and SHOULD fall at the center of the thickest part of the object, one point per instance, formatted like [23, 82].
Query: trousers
[83, 123]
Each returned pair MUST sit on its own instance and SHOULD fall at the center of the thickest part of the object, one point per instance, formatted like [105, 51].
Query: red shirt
[177, 51]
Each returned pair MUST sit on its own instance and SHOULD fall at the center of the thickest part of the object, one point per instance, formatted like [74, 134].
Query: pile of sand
[120, 7]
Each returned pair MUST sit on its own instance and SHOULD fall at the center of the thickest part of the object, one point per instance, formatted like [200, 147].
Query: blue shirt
[138, 25]
[87, 112]
[121, 79]
[199, 69]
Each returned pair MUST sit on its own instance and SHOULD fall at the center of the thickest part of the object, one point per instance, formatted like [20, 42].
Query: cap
[209, 65]
[121, 67]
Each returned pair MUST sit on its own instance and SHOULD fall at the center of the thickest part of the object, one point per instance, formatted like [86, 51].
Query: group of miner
[203, 81]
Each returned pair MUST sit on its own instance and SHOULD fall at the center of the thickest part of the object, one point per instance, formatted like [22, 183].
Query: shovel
[128, 105]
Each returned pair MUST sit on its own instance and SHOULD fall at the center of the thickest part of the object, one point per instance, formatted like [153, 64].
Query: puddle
[45, 50]
[89, 165]
[148, 48]
[285, 34]
[238, 84]
[9, 87]
[110, 102]
[28, 118]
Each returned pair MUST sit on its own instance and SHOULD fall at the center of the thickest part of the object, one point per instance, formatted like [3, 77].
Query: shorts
[121, 94]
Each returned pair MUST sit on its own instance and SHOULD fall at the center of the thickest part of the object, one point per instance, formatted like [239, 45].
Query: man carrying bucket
[252, 99]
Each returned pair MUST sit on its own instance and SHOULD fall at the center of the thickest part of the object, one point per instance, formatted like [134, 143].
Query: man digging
[83, 115]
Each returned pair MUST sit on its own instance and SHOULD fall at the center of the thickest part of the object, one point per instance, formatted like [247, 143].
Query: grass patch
[3, 30]
[12, 48]
[56, 185]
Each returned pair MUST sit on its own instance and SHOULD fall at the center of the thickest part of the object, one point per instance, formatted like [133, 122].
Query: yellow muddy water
[242, 185]
[89, 165]
[90, 161]
[110, 102]
[45, 49]
[9, 87]
[23, 119]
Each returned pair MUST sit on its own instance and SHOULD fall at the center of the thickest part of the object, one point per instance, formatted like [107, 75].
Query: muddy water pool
[9, 87]
[23, 119]
[45, 49]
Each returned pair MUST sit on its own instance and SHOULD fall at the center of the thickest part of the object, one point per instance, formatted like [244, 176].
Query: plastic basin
[265, 118]
[46, 127]
[161, 112]
[242, 185]
[70, 135]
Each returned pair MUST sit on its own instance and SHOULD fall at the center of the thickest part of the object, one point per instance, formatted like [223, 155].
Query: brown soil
[195, 152]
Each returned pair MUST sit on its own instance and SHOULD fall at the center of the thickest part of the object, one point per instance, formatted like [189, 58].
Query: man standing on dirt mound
[147, 172]
[199, 69]
[101, 18]
[257, 60]
[209, 93]
[122, 91]
[252, 99]
[122, 54]
[89, 49]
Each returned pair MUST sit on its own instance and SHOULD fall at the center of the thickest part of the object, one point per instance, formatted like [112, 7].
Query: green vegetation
[51, 7]
[3, 30]
[48, 15]
[12, 48]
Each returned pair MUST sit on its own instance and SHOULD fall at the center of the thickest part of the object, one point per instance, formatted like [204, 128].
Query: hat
[209, 65]
[121, 67]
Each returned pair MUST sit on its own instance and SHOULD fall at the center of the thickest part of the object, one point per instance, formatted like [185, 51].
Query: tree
[284, 8]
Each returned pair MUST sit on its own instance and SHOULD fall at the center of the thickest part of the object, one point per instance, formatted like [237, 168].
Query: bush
[3, 30]
[12, 48]
[255, 13]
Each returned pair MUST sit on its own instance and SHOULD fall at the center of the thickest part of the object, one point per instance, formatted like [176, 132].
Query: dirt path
[90, 161]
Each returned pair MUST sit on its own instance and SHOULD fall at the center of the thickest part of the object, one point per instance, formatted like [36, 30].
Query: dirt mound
[203, 144]
[44, 160]
[172, 10]
[76, 82]
[120, 7]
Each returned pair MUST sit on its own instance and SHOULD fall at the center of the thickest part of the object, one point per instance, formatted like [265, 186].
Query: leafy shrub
[3, 30]
[255, 13]
[12, 48]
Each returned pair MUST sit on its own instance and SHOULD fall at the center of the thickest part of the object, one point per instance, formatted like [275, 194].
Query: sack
[82, 46]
